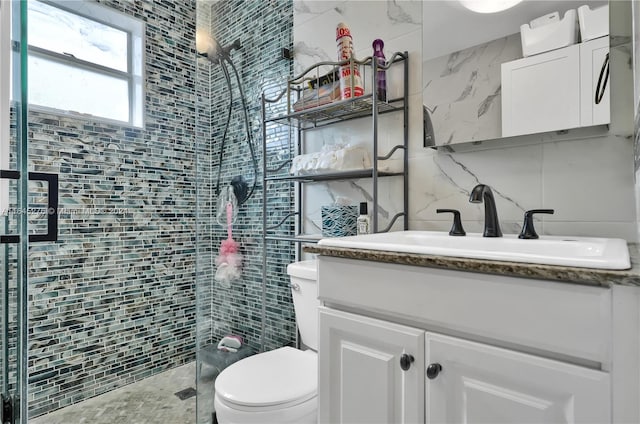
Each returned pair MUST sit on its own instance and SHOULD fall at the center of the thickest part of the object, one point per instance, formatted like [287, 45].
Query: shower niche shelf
[278, 116]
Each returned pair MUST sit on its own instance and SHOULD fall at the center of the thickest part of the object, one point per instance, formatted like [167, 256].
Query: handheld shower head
[207, 46]
[225, 51]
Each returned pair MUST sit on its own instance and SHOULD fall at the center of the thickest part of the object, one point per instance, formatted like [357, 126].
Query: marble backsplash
[462, 91]
[588, 180]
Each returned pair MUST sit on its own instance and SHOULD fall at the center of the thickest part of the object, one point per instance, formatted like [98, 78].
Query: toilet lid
[278, 377]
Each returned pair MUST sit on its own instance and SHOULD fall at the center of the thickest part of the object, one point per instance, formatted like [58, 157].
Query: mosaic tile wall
[262, 28]
[113, 301]
[205, 199]
[11, 252]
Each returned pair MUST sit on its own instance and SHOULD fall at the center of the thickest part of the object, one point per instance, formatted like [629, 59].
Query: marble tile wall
[113, 300]
[636, 100]
[588, 180]
[473, 112]
[398, 24]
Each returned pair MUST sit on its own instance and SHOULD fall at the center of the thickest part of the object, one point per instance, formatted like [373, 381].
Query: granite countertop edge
[565, 274]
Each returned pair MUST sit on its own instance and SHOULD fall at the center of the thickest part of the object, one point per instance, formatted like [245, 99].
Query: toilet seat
[273, 380]
[303, 413]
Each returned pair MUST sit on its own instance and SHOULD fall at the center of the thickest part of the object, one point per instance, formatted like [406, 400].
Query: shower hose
[238, 183]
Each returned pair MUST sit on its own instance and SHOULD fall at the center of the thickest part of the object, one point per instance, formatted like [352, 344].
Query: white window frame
[135, 30]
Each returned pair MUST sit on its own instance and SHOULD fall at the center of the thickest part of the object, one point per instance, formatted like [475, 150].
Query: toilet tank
[304, 291]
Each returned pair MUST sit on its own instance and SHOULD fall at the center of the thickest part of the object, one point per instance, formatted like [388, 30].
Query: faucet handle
[528, 231]
[456, 229]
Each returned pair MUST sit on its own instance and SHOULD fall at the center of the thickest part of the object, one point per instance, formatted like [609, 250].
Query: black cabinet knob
[433, 370]
[405, 361]
[528, 232]
[456, 228]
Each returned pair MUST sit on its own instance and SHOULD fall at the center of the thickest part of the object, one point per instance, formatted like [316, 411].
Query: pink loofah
[229, 246]
[229, 260]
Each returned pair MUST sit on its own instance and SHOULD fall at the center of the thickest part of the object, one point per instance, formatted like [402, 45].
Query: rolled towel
[230, 343]
[332, 157]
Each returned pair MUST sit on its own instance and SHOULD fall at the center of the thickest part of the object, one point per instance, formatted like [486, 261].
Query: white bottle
[363, 221]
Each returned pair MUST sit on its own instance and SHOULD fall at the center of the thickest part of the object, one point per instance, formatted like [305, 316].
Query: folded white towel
[331, 158]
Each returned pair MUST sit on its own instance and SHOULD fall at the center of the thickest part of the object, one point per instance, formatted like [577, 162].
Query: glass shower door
[13, 217]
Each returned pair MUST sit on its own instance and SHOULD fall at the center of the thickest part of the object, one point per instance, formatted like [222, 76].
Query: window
[86, 59]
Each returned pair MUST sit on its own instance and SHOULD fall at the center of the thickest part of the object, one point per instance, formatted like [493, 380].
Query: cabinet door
[592, 65]
[484, 384]
[541, 93]
[360, 375]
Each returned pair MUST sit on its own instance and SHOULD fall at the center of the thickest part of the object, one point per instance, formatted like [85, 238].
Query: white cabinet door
[360, 375]
[484, 384]
[541, 93]
[592, 65]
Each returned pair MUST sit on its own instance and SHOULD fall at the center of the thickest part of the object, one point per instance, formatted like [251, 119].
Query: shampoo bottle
[363, 221]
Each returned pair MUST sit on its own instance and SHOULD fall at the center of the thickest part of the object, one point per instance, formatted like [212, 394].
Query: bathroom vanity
[408, 338]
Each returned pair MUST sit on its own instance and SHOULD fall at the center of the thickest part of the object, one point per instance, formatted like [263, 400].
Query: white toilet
[279, 386]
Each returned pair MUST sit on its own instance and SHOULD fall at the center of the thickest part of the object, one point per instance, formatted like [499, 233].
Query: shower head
[207, 46]
[225, 51]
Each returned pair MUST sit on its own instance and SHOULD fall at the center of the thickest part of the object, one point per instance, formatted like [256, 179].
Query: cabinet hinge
[7, 410]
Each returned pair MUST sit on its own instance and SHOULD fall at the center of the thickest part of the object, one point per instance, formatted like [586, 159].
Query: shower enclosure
[262, 314]
[127, 289]
[98, 290]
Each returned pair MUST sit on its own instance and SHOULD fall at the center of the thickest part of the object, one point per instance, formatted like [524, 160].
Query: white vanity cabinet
[555, 90]
[478, 383]
[371, 370]
[511, 350]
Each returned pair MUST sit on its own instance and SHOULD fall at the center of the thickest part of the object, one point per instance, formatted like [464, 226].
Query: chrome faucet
[482, 193]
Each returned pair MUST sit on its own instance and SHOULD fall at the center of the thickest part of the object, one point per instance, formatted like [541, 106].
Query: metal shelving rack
[366, 106]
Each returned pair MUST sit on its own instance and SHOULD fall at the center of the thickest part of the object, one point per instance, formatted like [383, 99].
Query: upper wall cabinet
[595, 97]
[464, 95]
[557, 90]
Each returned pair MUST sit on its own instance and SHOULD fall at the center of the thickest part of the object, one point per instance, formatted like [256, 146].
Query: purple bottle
[378, 54]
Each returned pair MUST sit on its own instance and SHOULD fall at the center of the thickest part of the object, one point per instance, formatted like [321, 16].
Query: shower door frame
[14, 246]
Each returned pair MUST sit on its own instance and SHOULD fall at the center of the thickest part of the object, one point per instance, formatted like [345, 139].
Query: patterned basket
[339, 221]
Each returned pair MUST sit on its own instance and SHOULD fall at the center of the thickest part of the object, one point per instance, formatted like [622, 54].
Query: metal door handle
[52, 206]
[604, 71]
[9, 175]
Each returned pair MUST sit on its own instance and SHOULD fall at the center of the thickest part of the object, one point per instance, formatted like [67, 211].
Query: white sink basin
[584, 252]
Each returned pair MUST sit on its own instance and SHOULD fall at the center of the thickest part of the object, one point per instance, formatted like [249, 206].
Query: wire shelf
[312, 100]
[302, 238]
[333, 176]
[338, 111]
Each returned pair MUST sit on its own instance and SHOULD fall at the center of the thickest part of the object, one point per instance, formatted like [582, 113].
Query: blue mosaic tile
[113, 301]
[263, 29]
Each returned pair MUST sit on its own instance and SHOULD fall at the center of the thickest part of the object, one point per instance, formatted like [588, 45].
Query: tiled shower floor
[150, 401]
